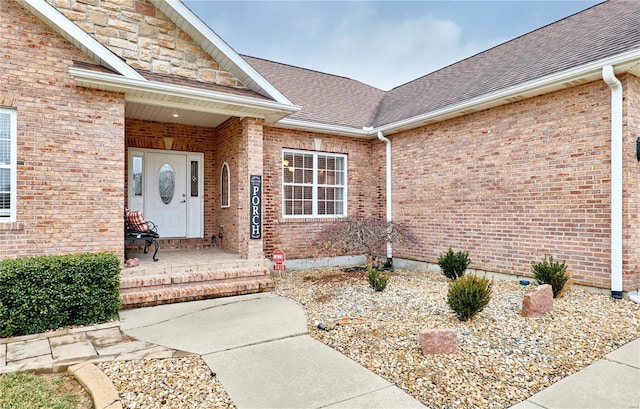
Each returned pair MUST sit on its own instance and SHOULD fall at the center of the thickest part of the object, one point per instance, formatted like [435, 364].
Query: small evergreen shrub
[468, 295]
[454, 265]
[553, 273]
[377, 280]
[43, 293]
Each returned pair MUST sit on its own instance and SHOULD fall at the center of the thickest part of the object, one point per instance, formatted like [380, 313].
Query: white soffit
[74, 34]
[181, 97]
[217, 48]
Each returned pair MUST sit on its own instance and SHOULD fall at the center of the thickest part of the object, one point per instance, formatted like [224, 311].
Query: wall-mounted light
[168, 143]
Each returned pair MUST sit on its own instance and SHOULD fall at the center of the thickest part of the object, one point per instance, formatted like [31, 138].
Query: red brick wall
[227, 151]
[295, 236]
[512, 184]
[70, 139]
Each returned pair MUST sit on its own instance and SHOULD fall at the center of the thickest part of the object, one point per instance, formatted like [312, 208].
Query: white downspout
[608, 75]
[388, 183]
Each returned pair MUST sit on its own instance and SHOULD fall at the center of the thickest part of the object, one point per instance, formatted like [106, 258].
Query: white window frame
[314, 184]
[225, 202]
[9, 216]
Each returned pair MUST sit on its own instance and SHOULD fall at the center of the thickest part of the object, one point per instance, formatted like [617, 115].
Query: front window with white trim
[314, 184]
[8, 137]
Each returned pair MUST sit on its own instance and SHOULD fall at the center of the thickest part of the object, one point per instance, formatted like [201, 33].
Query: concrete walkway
[259, 348]
[55, 351]
[612, 382]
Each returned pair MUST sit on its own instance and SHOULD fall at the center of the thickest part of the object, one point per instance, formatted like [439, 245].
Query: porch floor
[184, 260]
[186, 275]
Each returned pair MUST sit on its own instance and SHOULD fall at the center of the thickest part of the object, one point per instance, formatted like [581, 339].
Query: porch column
[251, 154]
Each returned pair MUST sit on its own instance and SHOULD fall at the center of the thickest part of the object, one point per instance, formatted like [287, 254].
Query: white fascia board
[121, 84]
[590, 72]
[325, 128]
[56, 20]
[224, 48]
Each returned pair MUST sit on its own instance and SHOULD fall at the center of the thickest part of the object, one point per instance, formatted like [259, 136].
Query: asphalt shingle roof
[601, 31]
[324, 98]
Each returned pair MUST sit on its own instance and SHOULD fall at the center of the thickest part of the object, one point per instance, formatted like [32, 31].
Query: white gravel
[174, 383]
[502, 358]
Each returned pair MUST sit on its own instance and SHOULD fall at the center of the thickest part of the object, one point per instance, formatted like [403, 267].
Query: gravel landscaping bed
[166, 383]
[502, 358]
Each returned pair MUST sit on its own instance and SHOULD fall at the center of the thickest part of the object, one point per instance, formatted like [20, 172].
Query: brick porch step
[154, 289]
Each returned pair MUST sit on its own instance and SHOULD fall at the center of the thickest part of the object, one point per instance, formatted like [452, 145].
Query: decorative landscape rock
[537, 302]
[438, 341]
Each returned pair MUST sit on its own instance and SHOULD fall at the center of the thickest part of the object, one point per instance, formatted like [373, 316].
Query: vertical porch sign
[255, 206]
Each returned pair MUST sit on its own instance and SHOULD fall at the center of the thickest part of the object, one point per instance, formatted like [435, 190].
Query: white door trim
[195, 202]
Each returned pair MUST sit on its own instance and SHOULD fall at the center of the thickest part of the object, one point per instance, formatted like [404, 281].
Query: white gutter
[608, 75]
[388, 182]
[559, 80]
[310, 126]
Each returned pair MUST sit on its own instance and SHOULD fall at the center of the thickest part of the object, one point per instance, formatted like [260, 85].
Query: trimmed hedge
[43, 293]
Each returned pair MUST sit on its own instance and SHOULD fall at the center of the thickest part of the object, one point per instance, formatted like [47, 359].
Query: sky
[379, 43]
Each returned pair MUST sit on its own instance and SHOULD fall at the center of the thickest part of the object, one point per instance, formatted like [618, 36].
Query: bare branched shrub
[357, 235]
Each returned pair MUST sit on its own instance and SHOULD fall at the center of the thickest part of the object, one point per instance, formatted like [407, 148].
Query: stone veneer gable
[145, 38]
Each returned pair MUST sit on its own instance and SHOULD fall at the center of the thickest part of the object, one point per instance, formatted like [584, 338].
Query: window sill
[310, 219]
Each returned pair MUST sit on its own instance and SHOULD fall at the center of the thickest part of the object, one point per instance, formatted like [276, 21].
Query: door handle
[184, 201]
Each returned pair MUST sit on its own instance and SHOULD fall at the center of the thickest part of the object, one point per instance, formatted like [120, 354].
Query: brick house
[526, 149]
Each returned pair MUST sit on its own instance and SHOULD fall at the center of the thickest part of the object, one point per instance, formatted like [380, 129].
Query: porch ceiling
[134, 110]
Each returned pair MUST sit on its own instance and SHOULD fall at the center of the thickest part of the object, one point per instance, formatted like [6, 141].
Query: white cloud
[387, 53]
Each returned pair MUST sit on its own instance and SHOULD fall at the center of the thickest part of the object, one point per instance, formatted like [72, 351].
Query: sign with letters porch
[255, 207]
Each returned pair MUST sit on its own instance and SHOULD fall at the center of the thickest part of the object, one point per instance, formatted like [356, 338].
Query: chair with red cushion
[136, 228]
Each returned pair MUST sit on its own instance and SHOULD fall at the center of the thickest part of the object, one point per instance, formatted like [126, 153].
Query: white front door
[166, 193]
[167, 186]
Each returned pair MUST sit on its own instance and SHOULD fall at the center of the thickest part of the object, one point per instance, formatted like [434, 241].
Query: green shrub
[553, 273]
[454, 265]
[468, 295]
[377, 280]
[48, 292]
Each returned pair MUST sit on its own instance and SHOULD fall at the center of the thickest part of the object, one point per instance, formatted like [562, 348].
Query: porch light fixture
[168, 143]
[175, 115]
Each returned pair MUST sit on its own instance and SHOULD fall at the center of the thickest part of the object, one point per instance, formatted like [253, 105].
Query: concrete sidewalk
[259, 348]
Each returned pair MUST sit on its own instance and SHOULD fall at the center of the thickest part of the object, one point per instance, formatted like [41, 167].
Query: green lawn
[19, 391]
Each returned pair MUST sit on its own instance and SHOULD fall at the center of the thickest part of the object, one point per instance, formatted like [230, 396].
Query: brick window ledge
[11, 226]
[309, 219]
